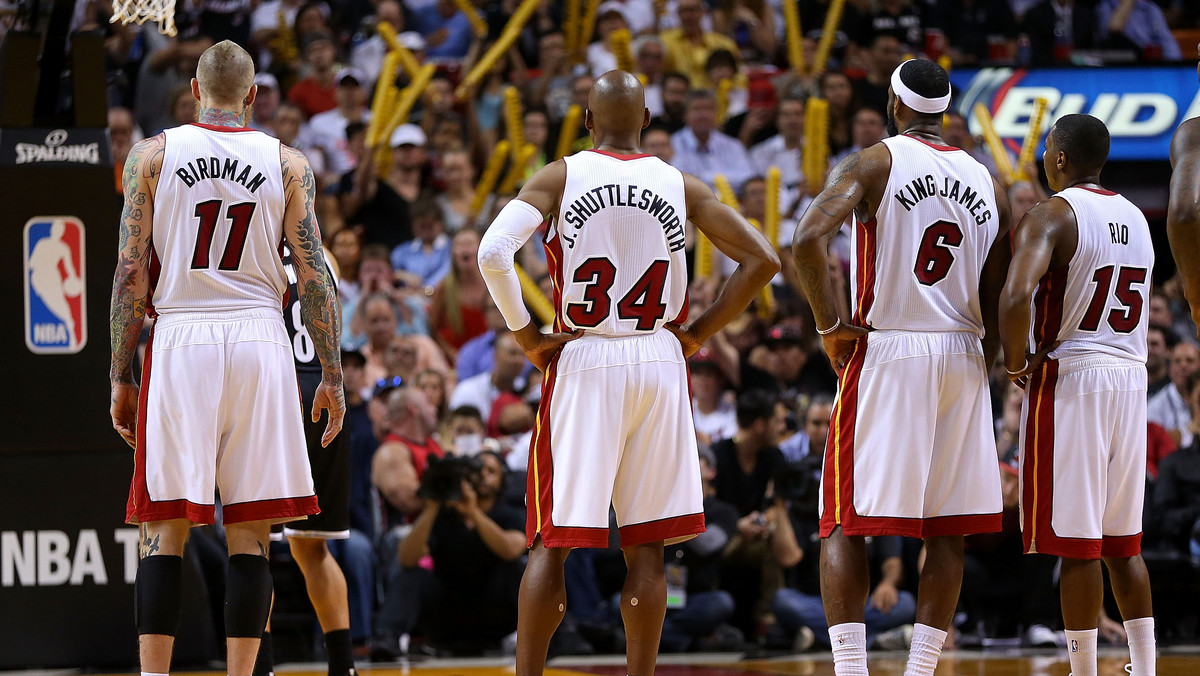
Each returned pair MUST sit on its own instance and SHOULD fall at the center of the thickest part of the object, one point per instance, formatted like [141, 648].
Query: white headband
[914, 100]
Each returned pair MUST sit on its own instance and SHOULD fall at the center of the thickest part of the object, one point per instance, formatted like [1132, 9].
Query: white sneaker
[805, 638]
[1041, 636]
[899, 638]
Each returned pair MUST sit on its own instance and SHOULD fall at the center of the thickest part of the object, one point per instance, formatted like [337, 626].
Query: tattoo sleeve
[817, 226]
[131, 281]
[319, 308]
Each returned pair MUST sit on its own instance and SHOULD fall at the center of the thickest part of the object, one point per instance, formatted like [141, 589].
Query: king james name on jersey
[613, 195]
[950, 188]
[203, 168]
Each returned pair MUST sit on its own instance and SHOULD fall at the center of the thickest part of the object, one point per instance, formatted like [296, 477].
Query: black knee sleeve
[157, 593]
[247, 596]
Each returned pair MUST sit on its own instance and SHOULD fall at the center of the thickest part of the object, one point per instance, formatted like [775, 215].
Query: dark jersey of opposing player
[308, 365]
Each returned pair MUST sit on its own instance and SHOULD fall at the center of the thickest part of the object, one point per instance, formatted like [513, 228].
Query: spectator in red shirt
[317, 92]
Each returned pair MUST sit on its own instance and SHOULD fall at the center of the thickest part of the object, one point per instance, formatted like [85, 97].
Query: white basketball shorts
[911, 449]
[1083, 458]
[220, 410]
[615, 426]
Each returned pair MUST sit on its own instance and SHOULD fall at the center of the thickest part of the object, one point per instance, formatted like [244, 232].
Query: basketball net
[161, 12]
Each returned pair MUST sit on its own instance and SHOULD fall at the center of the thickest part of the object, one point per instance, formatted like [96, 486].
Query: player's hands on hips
[124, 411]
[687, 339]
[840, 342]
[331, 397]
[1020, 374]
[540, 347]
[885, 597]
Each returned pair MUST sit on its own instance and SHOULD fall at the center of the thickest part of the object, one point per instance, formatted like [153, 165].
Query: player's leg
[1082, 594]
[247, 593]
[540, 606]
[326, 586]
[1131, 586]
[1121, 548]
[941, 581]
[643, 606]
[158, 591]
[845, 584]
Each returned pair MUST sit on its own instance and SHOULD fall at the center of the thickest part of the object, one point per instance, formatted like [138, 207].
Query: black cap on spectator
[781, 333]
[385, 385]
[355, 357]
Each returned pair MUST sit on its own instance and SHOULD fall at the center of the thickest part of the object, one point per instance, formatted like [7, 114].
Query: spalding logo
[55, 150]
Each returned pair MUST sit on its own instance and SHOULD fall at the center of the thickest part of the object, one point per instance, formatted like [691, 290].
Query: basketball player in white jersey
[1078, 297]
[207, 207]
[615, 423]
[911, 449]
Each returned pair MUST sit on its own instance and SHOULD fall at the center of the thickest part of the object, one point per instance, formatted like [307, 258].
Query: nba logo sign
[55, 285]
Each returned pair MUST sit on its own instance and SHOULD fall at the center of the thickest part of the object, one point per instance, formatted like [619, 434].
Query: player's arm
[846, 190]
[131, 281]
[735, 237]
[514, 225]
[995, 271]
[319, 308]
[1183, 210]
[1040, 241]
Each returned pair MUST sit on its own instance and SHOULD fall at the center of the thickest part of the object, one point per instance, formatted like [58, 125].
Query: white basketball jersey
[616, 248]
[218, 221]
[1100, 301]
[917, 264]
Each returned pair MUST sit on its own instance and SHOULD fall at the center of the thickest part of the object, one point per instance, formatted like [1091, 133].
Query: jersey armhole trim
[1075, 215]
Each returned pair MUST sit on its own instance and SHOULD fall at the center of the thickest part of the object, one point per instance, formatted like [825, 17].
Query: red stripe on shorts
[866, 270]
[673, 530]
[839, 445]
[140, 508]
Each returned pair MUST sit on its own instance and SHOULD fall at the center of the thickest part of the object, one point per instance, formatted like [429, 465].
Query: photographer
[476, 543]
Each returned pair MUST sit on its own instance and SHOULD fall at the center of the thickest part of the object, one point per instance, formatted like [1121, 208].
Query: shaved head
[225, 74]
[617, 104]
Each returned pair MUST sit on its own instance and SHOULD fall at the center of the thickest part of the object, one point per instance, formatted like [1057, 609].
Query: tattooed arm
[856, 183]
[131, 282]
[319, 309]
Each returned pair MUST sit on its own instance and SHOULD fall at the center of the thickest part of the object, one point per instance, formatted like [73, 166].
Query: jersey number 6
[643, 302]
[239, 216]
[935, 257]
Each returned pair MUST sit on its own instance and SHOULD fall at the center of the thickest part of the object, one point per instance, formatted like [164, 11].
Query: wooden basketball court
[1171, 662]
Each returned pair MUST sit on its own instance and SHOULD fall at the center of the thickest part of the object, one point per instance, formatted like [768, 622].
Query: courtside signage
[1142, 106]
[55, 285]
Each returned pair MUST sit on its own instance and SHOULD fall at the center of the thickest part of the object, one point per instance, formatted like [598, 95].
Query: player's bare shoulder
[1186, 141]
[144, 164]
[297, 172]
[545, 188]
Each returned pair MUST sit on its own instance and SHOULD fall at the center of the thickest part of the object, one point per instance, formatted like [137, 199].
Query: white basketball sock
[1081, 648]
[925, 650]
[151, 673]
[1141, 645]
[849, 641]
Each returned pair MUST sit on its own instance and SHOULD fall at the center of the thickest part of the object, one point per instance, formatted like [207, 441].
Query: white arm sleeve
[515, 223]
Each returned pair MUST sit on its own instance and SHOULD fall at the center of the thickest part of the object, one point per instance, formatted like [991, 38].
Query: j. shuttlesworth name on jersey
[612, 195]
[950, 188]
[203, 168]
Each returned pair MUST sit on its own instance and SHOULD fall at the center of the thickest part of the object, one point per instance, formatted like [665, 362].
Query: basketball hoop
[161, 12]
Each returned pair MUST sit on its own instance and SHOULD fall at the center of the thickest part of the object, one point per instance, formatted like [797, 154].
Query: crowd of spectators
[433, 374]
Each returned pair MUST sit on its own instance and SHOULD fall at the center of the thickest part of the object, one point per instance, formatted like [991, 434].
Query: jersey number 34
[642, 302]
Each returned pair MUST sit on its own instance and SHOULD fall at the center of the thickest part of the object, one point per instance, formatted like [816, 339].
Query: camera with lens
[442, 481]
[799, 483]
